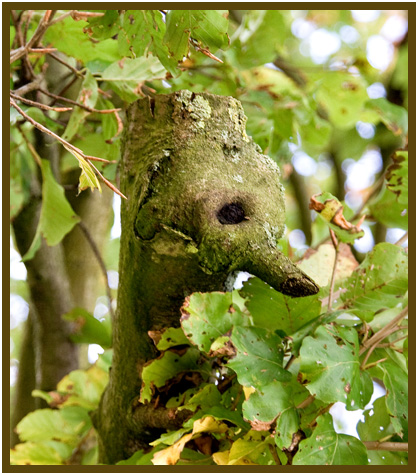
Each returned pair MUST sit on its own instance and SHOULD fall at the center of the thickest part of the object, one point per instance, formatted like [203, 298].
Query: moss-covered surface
[186, 157]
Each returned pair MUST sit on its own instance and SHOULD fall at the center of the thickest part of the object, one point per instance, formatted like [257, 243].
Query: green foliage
[258, 370]
[57, 217]
[380, 281]
[327, 447]
[330, 367]
[88, 328]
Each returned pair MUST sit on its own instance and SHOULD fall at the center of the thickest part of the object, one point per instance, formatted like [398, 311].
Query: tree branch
[146, 416]
[78, 104]
[36, 37]
[392, 446]
[39, 105]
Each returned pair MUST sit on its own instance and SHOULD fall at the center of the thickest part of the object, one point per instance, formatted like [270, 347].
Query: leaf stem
[334, 270]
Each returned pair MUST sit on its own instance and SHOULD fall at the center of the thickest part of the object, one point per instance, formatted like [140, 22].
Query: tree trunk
[202, 202]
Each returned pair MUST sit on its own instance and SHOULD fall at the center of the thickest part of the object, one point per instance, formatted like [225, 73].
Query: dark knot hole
[231, 213]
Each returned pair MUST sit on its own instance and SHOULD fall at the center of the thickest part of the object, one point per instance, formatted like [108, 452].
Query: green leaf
[331, 211]
[393, 116]
[262, 35]
[219, 413]
[83, 388]
[207, 27]
[109, 121]
[396, 383]
[87, 96]
[140, 458]
[168, 338]
[40, 453]
[275, 311]
[65, 425]
[405, 350]
[326, 447]
[376, 426]
[105, 26]
[205, 317]
[142, 32]
[319, 264]
[379, 282]
[207, 397]
[288, 424]
[57, 217]
[88, 329]
[397, 177]
[330, 365]
[343, 96]
[126, 76]
[157, 372]
[310, 328]
[387, 210]
[267, 404]
[68, 36]
[259, 359]
[251, 450]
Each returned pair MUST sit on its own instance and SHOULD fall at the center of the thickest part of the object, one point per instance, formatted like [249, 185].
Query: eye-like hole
[231, 213]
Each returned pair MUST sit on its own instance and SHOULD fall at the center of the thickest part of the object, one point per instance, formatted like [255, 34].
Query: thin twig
[60, 60]
[290, 361]
[68, 146]
[60, 18]
[324, 410]
[384, 332]
[101, 263]
[334, 270]
[39, 105]
[385, 345]
[29, 87]
[57, 137]
[36, 37]
[309, 400]
[274, 454]
[78, 104]
[31, 148]
[41, 50]
[402, 239]
[392, 446]
[372, 365]
[108, 183]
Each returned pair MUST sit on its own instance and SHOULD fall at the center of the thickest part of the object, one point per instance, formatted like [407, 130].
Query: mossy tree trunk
[202, 202]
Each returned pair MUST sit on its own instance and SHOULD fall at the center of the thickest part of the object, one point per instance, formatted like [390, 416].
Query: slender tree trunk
[23, 402]
[202, 202]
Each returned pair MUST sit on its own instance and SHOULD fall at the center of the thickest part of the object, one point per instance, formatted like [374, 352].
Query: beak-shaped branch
[278, 271]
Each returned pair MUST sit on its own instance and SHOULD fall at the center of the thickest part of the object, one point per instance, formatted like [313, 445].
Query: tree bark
[202, 202]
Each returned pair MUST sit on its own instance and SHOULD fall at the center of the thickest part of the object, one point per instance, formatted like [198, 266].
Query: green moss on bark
[186, 156]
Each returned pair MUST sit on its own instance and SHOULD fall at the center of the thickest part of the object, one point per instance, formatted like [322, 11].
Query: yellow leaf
[171, 455]
[209, 424]
[88, 178]
[221, 458]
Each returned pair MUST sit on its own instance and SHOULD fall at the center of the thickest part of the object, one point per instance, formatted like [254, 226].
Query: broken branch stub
[203, 201]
